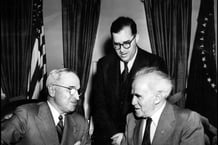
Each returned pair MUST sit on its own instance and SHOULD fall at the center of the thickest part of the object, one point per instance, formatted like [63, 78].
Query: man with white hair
[53, 122]
[155, 121]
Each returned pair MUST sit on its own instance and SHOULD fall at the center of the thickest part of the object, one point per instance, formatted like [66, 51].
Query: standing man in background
[52, 122]
[112, 88]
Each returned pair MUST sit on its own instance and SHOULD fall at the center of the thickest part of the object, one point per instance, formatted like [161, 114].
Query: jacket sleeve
[193, 132]
[86, 139]
[14, 129]
[129, 130]
[101, 118]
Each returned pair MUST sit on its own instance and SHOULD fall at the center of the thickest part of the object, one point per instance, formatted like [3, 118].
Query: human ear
[158, 98]
[137, 37]
[51, 90]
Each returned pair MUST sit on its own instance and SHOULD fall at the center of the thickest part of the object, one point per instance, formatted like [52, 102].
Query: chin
[125, 59]
[138, 114]
[72, 108]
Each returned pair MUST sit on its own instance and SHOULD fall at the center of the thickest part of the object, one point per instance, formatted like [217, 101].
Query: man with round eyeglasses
[112, 86]
[52, 122]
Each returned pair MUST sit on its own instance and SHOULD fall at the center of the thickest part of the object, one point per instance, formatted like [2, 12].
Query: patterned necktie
[60, 127]
[146, 138]
[125, 72]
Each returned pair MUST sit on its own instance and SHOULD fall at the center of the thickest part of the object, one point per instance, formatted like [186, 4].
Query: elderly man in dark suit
[53, 122]
[156, 121]
[112, 97]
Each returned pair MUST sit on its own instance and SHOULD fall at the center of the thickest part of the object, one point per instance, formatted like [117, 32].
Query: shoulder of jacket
[107, 58]
[185, 113]
[144, 52]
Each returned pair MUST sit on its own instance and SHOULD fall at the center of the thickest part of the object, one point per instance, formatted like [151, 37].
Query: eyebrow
[127, 41]
[137, 95]
[72, 87]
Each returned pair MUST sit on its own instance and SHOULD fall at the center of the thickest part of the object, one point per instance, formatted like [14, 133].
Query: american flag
[202, 82]
[37, 74]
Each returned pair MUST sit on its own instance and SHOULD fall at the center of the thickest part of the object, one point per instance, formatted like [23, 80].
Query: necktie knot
[60, 118]
[148, 120]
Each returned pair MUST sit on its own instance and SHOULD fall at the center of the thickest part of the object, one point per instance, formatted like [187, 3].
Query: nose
[133, 100]
[76, 95]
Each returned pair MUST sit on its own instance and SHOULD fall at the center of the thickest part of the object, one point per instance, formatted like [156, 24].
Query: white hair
[158, 80]
[55, 75]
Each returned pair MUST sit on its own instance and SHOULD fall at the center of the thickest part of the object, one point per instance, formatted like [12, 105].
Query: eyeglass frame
[70, 89]
[128, 42]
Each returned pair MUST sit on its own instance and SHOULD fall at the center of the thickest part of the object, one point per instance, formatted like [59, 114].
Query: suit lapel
[134, 130]
[114, 76]
[46, 125]
[137, 63]
[165, 126]
[139, 127]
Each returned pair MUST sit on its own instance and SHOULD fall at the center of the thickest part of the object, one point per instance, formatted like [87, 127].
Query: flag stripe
[37, 74]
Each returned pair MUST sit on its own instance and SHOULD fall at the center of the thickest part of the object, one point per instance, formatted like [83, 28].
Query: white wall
[53, 34]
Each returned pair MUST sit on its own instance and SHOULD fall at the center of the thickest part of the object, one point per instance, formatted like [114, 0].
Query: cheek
[66, 99]
[143, 105]
[132, 51]
[146, 105]
[63, 99]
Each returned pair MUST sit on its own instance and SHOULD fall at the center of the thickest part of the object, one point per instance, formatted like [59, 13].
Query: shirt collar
[156, 116]
[129, 64]
[55, 113]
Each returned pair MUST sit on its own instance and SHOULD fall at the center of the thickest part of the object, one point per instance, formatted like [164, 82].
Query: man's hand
[117, 138]
[77, 143]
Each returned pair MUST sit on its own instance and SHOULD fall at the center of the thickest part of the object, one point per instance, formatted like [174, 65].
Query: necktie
[60, 127]
[125, 72]
[146, 138]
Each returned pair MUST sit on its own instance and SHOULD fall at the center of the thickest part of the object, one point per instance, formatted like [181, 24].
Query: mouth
[74, 103]
[123, 55]
[136, 108]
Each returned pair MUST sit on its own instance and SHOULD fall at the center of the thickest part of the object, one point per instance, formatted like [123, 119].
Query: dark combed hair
[121, 22]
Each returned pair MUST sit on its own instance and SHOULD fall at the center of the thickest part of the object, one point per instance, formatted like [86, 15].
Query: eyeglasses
[126, 44]
[72, 89]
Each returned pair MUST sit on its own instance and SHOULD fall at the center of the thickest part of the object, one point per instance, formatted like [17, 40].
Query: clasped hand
[117, 138]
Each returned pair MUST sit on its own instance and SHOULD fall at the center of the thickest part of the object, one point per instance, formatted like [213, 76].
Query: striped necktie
[60, 127]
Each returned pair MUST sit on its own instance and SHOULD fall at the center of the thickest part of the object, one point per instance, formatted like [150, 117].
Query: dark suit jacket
[32, 124]
[110, 104]
[176, 127]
